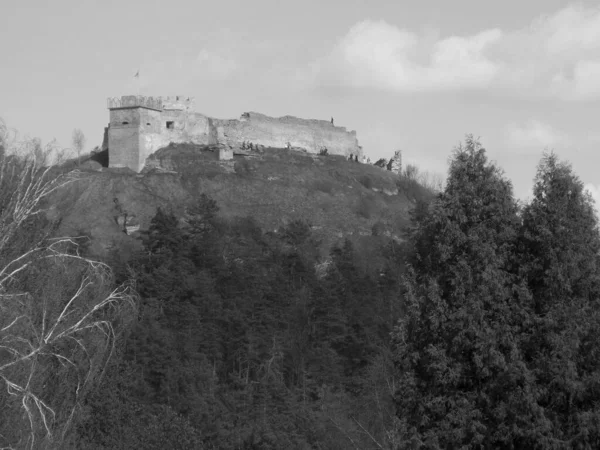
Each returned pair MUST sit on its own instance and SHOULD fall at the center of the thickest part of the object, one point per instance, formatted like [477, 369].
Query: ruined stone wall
[225, 154]
[178, 102]
[187, 127]
[395, 164]
[123, 144]
[311, 135]
[177, 127]
[136, 131]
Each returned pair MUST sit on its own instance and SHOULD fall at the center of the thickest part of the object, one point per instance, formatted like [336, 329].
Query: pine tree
[164, 234]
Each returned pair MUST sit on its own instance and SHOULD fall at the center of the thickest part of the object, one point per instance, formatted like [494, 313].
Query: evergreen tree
[164, 234]
[560, 247]
[463, 380]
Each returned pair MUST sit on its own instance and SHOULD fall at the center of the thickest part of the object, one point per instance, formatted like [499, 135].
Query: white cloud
[535, 135]
[557, 55]
[377, 54]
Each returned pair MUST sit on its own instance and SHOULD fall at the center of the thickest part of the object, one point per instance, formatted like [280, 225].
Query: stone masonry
[395, 164]
[141, 125]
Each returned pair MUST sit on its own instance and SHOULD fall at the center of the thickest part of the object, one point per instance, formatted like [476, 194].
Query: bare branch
[368, 434]
[56, 306]
[344, 433]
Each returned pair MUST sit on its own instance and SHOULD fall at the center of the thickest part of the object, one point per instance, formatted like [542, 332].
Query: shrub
[366, 207]
[242, 167]
[381, 163]
[413, 190]
[378, 228]
[323, 186]
[366, 181]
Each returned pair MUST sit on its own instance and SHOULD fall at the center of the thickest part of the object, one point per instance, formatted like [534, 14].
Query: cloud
[557, 55]
[535, 135]
[377, 54]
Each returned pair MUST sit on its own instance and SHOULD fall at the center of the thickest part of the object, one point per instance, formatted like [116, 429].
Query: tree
[463, 381]
[560, 248]
[164, 234]
[382, 162]
[58, 309]
[78, 141]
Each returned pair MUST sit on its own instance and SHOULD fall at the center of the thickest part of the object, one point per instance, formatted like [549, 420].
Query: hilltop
[337, 197]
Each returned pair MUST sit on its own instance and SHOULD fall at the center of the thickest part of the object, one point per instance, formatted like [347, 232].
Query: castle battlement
[135, 101]
[178, 102]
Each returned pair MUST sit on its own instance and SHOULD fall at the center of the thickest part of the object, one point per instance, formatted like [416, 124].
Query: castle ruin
[140, 125]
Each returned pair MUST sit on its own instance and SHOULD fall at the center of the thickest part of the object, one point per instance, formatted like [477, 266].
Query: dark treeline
[480, 331]
[241, 343]
[499, 346]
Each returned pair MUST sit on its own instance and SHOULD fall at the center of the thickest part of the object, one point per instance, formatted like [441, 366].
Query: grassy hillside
[339, 198]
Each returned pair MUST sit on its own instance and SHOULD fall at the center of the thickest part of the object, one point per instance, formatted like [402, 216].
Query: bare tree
[78, 140]
[431, 180]
[57, 310]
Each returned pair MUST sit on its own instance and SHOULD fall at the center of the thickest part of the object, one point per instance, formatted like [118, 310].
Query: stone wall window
[125, 123]
[170, 125]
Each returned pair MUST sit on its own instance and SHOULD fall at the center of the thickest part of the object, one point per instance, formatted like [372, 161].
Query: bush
[242, 167]
[378, 229]
[366, 181]
[323, 186]
[413, 190]
[382, 162]
[366, 207]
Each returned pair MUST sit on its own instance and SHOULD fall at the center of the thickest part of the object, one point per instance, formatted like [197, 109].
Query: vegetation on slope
[480, 330]
[337, 197]
[60, 312]
[244, 346]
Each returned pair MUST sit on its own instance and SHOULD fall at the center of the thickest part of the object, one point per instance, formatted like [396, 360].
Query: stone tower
[132, 118]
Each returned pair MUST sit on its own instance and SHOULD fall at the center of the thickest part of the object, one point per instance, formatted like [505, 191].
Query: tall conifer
[559, 247]
[463, 380]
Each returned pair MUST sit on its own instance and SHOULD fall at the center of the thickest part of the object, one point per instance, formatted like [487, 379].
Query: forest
[480, 329]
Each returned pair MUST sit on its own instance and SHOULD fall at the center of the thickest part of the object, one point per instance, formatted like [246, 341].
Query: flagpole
[137, 77]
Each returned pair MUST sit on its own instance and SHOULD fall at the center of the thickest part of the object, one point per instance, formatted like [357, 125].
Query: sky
[524, 77]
